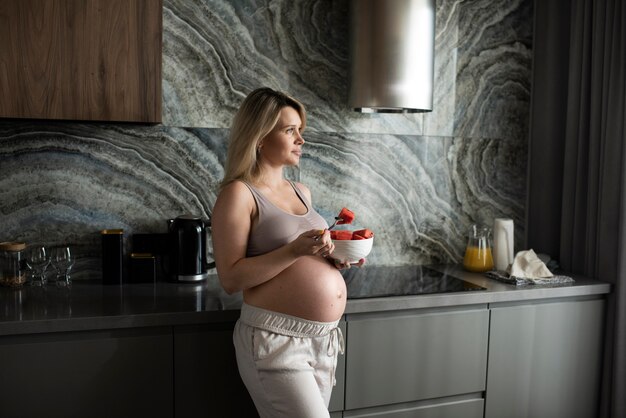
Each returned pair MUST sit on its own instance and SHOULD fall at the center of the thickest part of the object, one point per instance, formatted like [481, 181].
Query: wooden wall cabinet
[97, 60]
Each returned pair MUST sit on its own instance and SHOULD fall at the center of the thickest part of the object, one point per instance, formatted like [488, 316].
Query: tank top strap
[252, 189]
[300, 195]
[260, 200]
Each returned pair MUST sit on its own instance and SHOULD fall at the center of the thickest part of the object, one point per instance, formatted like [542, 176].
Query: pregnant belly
[311, 288]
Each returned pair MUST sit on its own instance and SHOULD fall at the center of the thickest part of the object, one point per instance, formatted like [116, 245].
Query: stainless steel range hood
[392, 45]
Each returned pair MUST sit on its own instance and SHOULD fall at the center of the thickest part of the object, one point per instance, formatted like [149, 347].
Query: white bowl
[351, 251]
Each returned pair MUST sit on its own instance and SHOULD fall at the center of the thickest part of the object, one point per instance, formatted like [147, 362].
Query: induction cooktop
[374, 282]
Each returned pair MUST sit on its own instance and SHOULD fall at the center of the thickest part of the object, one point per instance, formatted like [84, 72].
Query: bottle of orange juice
[478, 257]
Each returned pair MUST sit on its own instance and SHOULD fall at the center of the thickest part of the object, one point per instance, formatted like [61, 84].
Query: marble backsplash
[418, 180]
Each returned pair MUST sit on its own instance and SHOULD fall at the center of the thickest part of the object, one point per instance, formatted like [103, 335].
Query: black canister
[188, 249]
[112, 256]
[142, 268]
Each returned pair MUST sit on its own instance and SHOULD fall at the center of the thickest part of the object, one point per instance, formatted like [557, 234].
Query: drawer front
[465, 409]
[400, 358]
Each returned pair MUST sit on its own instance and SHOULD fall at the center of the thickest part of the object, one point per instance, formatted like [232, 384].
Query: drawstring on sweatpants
[335, 340]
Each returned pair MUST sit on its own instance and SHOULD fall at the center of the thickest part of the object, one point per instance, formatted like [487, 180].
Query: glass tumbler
[37, 260]
[62, 260]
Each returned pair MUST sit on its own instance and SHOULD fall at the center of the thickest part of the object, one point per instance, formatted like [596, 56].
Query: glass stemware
[62, 260]
[37, 260]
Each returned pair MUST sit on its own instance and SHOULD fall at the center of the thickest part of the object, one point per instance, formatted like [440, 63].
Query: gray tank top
[275, 227]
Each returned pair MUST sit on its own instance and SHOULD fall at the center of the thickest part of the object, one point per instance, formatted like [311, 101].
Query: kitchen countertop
[89, 305]
[495, 291]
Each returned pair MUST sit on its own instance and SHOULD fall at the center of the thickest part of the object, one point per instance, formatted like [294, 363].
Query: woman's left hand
[341, 265]
[327, 249]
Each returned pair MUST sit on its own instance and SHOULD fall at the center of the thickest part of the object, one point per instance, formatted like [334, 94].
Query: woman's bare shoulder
[235, 187]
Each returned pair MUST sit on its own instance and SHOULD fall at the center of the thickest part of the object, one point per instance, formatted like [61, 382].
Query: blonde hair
[256, 117]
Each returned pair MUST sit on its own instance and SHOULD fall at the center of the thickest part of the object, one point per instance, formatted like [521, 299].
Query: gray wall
[418, 181]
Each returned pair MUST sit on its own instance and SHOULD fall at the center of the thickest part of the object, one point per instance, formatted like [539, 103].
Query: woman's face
[283, 145]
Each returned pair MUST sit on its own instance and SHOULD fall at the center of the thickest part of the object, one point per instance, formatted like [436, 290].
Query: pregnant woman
[269, 242]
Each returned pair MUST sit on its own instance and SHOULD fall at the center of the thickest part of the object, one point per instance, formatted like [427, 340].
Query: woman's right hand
[313, 242]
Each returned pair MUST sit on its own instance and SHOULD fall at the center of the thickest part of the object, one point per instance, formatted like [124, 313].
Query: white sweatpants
[287, 363]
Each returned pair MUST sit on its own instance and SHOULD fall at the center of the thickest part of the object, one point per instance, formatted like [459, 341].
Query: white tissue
[527, 265]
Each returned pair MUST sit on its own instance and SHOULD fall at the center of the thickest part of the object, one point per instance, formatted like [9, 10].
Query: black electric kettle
[188, 247]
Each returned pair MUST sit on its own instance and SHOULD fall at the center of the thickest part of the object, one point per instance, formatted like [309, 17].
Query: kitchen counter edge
[209, 304]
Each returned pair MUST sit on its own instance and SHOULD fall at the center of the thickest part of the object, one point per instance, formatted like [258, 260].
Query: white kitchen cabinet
[545, 359]
[405, 356]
